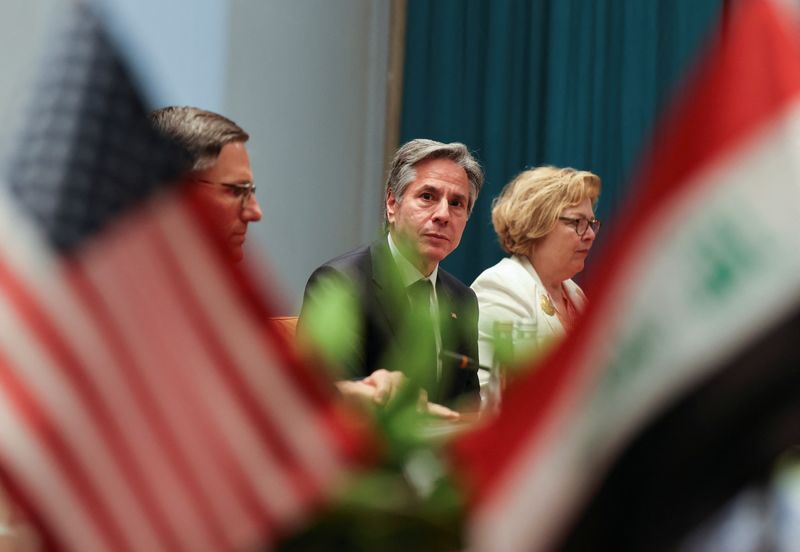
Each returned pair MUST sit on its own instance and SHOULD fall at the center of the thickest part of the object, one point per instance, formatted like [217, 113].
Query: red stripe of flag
[284, 371]
[27, 404]
[119, 273]
[259, 370]
[51, 501]
[198, 319]
[161, 288]
[28, 307]
[227, 371]
[316, 390]
[97, 307]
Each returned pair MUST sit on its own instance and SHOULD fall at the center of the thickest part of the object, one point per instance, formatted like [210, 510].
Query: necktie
[419, 294]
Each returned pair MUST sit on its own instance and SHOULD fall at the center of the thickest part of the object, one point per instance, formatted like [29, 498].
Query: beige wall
[307, 79]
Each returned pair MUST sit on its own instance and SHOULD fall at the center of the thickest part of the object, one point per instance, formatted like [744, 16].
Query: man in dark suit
[430, 192]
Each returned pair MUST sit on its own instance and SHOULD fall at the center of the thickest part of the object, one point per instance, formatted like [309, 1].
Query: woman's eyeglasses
[581, 224]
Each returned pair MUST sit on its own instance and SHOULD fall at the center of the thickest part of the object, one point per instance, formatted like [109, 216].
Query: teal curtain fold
[529, 82]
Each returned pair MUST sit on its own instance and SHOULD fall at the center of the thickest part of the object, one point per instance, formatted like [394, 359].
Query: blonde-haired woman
[545, 221]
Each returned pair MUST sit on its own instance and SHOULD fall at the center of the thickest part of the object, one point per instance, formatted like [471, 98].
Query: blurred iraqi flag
[681, 383]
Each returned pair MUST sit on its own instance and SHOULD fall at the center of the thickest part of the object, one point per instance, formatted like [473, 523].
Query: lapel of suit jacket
[389, 294]
[551, 320]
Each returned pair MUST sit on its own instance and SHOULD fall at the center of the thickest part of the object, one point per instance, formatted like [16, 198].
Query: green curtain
[528, 82]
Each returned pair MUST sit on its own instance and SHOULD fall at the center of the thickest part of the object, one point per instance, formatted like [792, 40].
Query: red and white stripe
[722, 186]
[144, 403]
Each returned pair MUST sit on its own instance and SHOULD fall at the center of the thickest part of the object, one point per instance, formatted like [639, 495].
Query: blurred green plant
[406, 502]
[407, 499]
[331, 324]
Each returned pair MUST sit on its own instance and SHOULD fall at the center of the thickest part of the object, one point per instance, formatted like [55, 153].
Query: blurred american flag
[145, 402]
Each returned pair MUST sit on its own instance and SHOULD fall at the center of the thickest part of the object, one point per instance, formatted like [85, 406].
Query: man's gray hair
[402, 172]
[201, 133]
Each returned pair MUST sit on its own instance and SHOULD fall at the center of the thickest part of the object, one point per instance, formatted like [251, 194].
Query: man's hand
[357, 391]
[378, 388]
[441, 411]
[381, 386]
[435, 409]
[386, 384]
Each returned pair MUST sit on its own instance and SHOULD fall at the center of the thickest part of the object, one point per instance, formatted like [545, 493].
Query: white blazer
[511, 290]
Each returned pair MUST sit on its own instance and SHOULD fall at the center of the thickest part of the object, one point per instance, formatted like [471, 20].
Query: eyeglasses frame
[594, 223]
[243, 189]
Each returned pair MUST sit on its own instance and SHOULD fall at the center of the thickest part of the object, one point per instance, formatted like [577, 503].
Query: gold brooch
[547, 305]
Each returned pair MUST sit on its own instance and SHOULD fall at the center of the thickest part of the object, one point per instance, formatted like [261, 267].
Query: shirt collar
[408, 272]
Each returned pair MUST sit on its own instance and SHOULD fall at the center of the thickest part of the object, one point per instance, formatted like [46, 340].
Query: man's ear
[391, 206]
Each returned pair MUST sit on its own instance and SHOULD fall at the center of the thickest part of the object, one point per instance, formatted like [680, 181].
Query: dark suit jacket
[383, 304]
